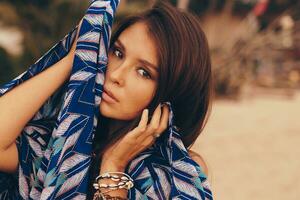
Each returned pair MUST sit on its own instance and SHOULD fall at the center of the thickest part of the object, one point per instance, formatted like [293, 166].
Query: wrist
[109, 166]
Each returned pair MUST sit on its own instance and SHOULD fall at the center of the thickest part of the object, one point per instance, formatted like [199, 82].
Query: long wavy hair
[185, 77]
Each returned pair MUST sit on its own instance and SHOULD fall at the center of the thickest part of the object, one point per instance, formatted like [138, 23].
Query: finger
[164, 122]
[144, 120]
[142, 126]
[154, 123]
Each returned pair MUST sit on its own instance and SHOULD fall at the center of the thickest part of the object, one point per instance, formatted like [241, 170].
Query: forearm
[20, 104]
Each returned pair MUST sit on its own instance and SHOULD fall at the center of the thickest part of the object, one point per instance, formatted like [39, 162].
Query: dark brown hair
[185, 77]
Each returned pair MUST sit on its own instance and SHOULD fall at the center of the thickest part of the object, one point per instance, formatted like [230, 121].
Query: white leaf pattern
[100, 78]
[35, 194]
[41, 175]
[164, 182]
[24, 190]
[72, 161]
[64, 126]
[31, 129]
[134, 162]
[94, 19]
[68, 99]
[185, 167]
[72, 182]
[186, 188]
[152, 193]
[206, 184]
[70, 142]
[89, 37]
[81, 76]
[89, 55]
[102, 53]
[36, 147]
[144, 174]
[79, 197]
[97, 100]
[47, 154]
[179, 143]
[105, 4]
[47, 192]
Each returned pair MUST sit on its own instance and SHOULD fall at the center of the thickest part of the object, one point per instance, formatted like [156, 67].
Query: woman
[148, 64]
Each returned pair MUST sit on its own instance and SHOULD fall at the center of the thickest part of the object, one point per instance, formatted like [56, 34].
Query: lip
[108, 96]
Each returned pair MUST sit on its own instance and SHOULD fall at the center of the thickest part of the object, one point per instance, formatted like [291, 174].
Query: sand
[252, 148]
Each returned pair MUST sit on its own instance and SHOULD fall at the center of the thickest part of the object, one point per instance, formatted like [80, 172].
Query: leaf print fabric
[56, 144]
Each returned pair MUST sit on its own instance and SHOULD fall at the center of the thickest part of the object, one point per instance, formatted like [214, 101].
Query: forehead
[139, 43]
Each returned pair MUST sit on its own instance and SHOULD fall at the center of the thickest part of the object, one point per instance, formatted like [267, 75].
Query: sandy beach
[252, 148]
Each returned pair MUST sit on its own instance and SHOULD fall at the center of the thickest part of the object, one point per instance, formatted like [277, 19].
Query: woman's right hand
[137, 140]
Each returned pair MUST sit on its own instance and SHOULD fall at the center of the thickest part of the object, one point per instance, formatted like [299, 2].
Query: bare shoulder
[199, 160]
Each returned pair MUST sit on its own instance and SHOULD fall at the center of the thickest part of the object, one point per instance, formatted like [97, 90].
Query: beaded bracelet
[125, 181]
[115, 177]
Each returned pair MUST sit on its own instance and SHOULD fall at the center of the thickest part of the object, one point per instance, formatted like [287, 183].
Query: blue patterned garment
[55, 146]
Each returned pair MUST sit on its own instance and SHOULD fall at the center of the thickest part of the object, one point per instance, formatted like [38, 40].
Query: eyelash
[148, 76]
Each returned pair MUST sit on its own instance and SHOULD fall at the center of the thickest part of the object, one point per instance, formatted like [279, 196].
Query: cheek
[137, 97]
[140, 95]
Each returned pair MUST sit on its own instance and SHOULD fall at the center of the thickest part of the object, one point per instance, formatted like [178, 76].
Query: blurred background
[251, 141]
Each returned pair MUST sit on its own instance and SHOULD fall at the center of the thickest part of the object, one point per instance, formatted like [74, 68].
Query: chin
[105, 110]
[113, 113]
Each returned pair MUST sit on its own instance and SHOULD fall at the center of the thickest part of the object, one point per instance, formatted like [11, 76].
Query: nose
[117, 73]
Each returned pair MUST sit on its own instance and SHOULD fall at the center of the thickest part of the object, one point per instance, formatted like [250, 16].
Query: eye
[144, 73]
[117, 52]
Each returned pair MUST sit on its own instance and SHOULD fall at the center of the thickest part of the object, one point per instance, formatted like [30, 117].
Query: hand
[137, 140]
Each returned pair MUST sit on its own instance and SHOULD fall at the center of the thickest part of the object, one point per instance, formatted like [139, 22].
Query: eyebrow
[145, 62]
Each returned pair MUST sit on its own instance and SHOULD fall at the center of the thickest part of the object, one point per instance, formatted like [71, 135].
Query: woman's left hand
[143, 136]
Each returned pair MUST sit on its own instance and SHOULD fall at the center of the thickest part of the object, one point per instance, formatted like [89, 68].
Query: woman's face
[131, 75]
